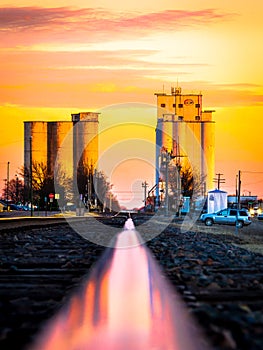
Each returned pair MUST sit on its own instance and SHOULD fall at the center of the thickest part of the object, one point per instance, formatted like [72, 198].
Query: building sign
[188, 102]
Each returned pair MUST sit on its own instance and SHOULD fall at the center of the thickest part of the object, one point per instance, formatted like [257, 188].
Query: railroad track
[41, 266]
[221, 283]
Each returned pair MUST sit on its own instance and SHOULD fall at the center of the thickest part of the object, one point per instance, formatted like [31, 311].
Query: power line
[253, 183]
[252, 172]
[257, 179]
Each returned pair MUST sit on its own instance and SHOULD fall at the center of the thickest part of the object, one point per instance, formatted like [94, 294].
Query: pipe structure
[125, 304]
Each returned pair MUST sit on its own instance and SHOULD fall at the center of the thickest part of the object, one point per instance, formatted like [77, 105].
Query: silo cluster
[186, 133]
[62, 143]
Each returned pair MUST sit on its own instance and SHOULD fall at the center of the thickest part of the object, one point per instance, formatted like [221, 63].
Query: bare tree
[43, 183]
[15, 190]
[185, 182]
[95, 189]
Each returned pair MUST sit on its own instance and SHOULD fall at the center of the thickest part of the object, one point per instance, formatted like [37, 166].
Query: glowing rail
[126, 304]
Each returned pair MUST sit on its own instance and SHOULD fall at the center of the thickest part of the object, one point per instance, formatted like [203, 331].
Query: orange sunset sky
[62, 57]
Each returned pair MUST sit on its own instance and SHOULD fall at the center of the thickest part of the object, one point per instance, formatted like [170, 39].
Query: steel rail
[125, 303]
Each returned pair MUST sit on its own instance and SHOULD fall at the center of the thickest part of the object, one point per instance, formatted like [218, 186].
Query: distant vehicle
[27, 207]
[10, 206]
[255, 211]
[15, 207]
[260, 216]
[227, 216]
[70, 206]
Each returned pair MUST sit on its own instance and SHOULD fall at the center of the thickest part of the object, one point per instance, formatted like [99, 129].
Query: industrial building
[185, 135]
[69, 143]
[185, 138]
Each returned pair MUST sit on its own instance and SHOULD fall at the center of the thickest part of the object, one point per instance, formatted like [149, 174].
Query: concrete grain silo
[60, 146]
[187, 133]
[35, 132]
[85, 139]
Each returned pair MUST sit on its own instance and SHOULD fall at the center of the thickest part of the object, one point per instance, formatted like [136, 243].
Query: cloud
[86, 24]
[37, 67]
[232, 95]
[87, 89]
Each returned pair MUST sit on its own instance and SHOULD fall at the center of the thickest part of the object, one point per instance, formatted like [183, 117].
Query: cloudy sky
[76, 56]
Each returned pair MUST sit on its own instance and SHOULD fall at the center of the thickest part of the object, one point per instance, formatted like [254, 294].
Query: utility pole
[31, 178]
[238, 189]
[219, 180]
[145, 185]
[166, 157]
[7, 185]
[17, 188]
[89, 179]
[178, 157]
[167, 161]
[110, 208]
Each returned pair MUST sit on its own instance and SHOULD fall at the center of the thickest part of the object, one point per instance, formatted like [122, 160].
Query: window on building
[180, 105]
[197, 105]
[197, 117]
[174, 105]
[180, 117]
[163, 105]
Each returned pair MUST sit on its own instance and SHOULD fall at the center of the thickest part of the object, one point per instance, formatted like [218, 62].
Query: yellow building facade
[186, 132]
